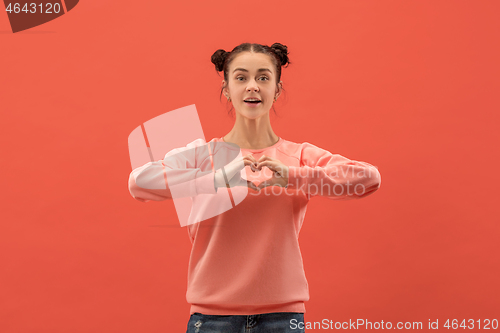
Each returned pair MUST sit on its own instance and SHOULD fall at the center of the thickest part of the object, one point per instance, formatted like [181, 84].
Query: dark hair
[278, 53]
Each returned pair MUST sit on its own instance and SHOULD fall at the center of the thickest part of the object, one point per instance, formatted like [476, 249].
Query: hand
[232, 171]
[280, 171]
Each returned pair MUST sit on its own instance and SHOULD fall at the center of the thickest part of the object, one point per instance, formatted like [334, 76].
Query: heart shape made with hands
[250, 172]
[258, 176]
[269, 172]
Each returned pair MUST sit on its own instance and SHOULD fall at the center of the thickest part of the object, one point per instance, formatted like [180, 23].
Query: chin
[253, 114]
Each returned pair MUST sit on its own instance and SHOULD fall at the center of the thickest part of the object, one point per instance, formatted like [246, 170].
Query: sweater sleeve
[332, 175]
[180, 168]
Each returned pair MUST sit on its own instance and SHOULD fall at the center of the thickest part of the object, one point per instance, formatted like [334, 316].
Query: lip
[252, 105]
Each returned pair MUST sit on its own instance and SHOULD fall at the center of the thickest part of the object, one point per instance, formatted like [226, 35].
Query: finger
[270, 164]
[275, 166]
[246, 183]
[250, 163]
[252, 158]
[246, 161]
[252, 185]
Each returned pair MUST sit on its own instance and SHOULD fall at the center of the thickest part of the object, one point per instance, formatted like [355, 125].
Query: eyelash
[267, 79]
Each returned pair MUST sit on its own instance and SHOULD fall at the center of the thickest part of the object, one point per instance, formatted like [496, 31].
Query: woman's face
[252, 75]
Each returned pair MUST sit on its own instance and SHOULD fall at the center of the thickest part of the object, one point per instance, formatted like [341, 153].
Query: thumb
[252, 185]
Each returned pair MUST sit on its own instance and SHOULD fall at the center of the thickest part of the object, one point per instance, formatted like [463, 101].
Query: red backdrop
[408, 86]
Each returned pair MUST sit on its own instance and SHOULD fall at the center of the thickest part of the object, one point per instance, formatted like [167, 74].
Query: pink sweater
[247, 260]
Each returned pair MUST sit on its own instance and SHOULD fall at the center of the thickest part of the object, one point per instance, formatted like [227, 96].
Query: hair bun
[218, 59]
[282, 52]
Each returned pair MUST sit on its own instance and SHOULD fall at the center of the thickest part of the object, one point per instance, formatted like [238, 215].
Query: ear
[224, 89]
[279, 89]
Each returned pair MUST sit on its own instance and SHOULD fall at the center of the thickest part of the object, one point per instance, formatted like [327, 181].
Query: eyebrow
[259, 70]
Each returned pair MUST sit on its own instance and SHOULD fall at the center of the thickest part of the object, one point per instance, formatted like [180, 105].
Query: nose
[252, 85]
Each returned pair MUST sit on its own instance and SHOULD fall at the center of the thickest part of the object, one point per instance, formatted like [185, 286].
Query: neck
[252, 133]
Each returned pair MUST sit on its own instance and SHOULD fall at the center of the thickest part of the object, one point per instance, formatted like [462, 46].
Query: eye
[262, 77]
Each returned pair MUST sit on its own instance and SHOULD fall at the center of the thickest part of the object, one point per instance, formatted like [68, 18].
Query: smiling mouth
[252, 102]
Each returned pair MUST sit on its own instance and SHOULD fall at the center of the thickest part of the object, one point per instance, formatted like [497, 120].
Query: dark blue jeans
[276, 322]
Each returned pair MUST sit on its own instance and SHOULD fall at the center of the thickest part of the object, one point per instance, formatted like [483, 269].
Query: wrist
[219, 179]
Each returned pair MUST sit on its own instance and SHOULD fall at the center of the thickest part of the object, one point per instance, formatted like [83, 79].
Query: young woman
[245, 271]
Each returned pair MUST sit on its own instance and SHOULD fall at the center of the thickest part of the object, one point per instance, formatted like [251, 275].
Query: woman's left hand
[280, 171]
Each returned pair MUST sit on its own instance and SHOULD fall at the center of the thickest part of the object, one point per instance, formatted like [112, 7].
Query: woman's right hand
[233, 174]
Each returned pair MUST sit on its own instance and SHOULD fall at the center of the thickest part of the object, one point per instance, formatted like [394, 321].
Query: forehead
[251, 62]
